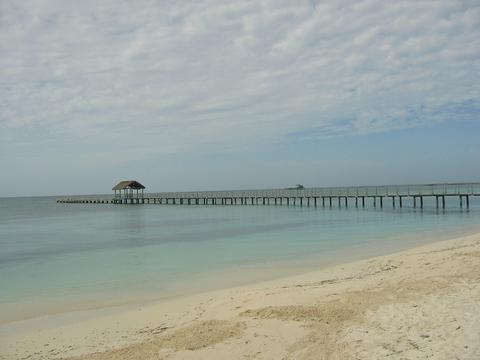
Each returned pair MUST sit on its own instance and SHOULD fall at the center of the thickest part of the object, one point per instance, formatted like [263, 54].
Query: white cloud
[162, 76]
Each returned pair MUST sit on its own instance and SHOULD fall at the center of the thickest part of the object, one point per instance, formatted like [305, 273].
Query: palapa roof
[128, 184]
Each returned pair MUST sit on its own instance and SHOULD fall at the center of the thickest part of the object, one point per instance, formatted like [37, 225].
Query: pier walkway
[396, 195]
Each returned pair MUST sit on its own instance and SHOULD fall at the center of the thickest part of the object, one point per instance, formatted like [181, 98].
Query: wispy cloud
[163, 76]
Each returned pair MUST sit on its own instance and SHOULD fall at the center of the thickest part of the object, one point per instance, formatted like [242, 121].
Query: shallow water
[60, 257]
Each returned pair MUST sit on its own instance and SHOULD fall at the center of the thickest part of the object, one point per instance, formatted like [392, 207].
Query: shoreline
[91, 304]
[289, 303]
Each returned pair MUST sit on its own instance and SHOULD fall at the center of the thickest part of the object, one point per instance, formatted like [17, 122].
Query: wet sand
[416, 304]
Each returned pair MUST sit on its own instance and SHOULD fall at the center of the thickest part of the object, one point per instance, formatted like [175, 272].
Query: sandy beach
[416, 304]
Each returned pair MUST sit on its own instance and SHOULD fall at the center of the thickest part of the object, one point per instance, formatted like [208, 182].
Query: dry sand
[422, 303]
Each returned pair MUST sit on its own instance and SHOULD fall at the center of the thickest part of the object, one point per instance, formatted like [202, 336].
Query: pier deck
[397, 195]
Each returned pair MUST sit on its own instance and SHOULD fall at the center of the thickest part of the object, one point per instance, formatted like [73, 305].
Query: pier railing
[353, 191]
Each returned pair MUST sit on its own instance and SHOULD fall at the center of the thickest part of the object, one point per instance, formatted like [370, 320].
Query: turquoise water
[60, 257]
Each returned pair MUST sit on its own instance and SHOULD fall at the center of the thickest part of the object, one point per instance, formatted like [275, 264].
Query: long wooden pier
[378, 196]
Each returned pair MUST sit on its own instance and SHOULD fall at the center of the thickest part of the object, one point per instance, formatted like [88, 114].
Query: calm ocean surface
[61, 257]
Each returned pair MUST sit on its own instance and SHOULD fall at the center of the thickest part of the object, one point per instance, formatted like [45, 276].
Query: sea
[57, 258]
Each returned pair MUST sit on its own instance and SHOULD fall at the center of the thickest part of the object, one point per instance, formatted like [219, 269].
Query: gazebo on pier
[128, 189]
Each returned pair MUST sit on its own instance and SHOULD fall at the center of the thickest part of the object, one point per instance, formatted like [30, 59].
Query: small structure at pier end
[128, 189]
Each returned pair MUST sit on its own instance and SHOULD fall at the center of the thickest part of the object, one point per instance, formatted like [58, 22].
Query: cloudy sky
[224, 94]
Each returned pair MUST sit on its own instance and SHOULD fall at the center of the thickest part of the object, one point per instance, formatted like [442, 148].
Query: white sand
[417, 304]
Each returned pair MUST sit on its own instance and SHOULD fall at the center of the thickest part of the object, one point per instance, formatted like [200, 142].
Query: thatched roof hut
[128, 184]
[127, 188]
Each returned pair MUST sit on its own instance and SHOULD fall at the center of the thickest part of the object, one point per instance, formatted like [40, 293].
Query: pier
[358, 196]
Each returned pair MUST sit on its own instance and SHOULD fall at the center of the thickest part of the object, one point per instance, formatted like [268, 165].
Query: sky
[227, 94]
